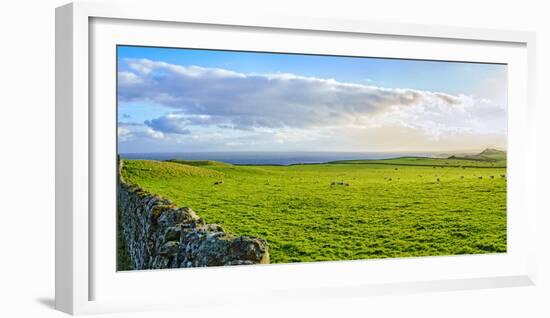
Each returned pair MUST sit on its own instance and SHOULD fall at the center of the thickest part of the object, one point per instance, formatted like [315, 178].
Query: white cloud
[291, 105]
[133, 131]
[128, 79]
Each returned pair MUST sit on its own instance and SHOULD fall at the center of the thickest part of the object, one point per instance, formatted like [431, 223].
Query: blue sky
[204, 100]
[450, 77]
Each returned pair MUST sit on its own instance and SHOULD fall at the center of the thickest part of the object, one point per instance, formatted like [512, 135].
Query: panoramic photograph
[240, 158]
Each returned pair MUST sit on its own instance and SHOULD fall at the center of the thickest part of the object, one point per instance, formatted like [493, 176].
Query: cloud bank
[226, 100]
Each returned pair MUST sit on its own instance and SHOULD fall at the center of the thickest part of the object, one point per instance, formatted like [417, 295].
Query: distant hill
[489, 158]
[488, 154]
[198, 163]
[493, 153]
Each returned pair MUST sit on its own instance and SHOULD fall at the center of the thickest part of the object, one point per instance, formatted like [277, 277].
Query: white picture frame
[78, 162]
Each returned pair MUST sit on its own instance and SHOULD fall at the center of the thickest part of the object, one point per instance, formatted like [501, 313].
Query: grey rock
[161, 235]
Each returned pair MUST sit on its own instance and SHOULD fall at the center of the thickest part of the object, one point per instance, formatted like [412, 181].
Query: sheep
[342, 183]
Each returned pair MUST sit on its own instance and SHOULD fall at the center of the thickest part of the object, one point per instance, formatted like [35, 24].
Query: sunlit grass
[398, 209]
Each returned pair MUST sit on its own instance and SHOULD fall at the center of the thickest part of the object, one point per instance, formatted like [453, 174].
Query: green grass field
[391, 208]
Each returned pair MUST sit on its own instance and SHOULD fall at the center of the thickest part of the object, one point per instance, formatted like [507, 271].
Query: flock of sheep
[345, 184]
[437, 179]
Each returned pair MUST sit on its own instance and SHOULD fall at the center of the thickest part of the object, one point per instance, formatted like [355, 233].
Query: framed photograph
[252, 157]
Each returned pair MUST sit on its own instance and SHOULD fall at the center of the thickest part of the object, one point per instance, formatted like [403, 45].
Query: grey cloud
[449, 99]
[171, 123]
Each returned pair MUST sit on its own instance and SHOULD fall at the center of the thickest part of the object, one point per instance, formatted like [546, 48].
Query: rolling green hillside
[487, 158]
[345, 210]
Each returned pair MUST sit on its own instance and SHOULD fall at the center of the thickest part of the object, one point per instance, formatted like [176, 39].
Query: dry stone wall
[159, 234]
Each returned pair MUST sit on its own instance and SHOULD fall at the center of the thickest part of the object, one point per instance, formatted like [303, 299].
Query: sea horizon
[277, 157]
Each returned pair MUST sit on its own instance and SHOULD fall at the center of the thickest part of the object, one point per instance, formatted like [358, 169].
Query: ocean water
[271, 158]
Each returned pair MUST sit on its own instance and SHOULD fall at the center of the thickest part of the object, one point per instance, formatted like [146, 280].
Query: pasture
[344, 210]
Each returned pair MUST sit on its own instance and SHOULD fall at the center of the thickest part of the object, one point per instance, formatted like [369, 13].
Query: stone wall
[159, 234]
